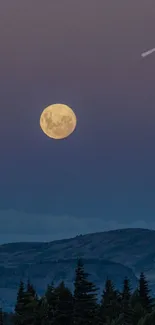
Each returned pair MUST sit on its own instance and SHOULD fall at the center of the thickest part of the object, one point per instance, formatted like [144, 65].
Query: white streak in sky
[148, 53]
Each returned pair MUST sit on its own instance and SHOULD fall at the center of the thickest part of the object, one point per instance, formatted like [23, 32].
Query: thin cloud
[20, 226]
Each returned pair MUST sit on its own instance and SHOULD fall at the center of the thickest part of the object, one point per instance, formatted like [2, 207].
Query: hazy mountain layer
[115, 254]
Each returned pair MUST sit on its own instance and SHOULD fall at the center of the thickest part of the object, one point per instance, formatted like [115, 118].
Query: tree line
[59, 306]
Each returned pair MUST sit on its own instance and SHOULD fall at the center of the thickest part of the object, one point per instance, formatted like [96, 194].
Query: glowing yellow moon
[58, 121]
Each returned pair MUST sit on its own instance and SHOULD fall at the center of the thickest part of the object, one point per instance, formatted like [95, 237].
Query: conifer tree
[42, 312]
[85, 298]
[64, 308]
[138, 310]
[126, 310]
[31, 303]
[59, 307]
[52, 302]
[144, 293]
[26, 305]
[18, 318]
[126, 294]
[110, 303]
[30, 294]
[30, 290]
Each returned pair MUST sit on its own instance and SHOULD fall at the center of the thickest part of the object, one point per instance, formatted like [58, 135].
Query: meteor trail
[148, 53]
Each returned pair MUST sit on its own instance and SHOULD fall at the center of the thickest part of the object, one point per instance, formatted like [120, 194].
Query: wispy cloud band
[20, 226]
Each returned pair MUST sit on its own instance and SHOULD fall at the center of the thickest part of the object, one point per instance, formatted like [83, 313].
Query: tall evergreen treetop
[20, 298]
[52, 301]
[110, 303]
[30, 290]
[85, 297]
[126, 294]
[126, 309]
[64, 308]
[144, 293]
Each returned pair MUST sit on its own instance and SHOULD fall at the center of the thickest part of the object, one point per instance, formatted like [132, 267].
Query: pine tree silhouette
[110, 303]
[64, 310]
[52, 302]
[85, 298]
[20, 305]
[144, 293]
[127, 312]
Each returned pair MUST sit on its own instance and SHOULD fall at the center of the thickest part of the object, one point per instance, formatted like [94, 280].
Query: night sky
[85, 54]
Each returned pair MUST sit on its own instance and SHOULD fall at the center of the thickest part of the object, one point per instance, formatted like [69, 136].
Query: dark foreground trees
[26, 305]
[110, 306]
[85, 298]
[60, 306]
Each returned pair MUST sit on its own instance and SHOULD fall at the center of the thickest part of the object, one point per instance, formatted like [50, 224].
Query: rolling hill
[115, 254]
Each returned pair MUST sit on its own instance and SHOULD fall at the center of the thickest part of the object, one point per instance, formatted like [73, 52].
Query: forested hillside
[60, 306]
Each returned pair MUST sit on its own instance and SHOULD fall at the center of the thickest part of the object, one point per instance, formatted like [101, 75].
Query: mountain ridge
[114, 254]
[70, 238]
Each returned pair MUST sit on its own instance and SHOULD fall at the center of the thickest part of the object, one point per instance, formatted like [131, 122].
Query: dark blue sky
[86, 54]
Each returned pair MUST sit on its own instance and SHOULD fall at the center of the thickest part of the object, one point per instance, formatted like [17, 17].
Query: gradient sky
[86, 54]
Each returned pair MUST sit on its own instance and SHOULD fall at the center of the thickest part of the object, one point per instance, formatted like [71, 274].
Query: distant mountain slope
[115, 254]
[137, 242]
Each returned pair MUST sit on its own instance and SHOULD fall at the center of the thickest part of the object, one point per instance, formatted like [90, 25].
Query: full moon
[58, 121]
